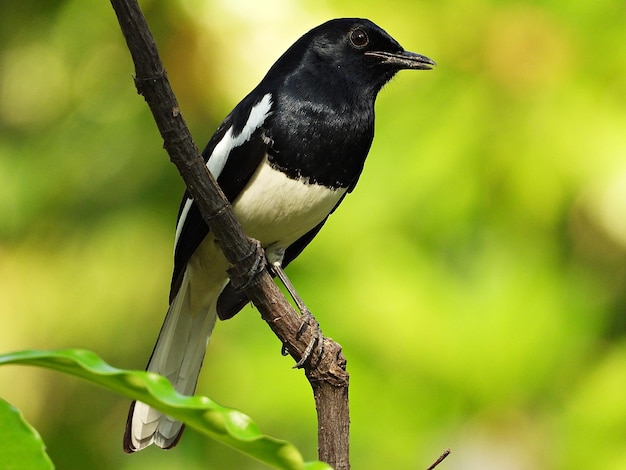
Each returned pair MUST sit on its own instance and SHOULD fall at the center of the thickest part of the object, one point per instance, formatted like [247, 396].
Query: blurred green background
[476, 278]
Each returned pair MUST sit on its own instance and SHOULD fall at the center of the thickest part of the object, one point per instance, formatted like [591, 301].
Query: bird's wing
[232, 155]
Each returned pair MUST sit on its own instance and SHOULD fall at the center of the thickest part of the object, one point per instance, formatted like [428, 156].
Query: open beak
[404, 60]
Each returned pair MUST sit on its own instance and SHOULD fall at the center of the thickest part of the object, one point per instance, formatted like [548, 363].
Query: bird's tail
[177, 355]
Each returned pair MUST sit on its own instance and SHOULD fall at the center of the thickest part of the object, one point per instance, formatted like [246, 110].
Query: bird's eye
[359, 38]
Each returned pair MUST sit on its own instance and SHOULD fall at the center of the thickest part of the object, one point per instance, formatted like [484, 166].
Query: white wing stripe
[258, 114]
[181, 220]
[217, 160]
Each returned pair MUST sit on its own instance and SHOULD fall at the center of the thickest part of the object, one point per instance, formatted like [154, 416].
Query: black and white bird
[285, 157]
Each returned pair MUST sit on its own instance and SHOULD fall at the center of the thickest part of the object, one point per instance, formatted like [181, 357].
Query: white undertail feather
[178, 356]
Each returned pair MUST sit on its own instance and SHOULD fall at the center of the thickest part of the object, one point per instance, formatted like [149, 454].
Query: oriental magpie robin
[285, 158]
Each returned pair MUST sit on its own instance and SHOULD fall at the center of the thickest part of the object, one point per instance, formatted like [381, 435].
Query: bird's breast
[323, 143]
[277, 210]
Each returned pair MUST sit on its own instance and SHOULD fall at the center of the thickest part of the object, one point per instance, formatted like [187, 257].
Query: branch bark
[326, 371]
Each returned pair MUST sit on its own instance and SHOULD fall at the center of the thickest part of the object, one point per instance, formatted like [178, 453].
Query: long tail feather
[177, 355]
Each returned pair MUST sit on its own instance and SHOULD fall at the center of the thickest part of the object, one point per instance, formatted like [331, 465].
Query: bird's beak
[404, 60]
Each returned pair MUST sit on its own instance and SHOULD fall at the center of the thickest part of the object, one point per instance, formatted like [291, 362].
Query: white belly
[277, 210]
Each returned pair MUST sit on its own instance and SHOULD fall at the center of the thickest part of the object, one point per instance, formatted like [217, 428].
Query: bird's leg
[307, 318]
[278, 270]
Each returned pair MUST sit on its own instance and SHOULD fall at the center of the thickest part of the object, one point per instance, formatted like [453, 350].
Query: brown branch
[326, 371]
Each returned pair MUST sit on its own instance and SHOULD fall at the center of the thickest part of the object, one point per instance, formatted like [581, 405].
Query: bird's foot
[316, 342]
[244, 272]
[317, 339]
[307, 320]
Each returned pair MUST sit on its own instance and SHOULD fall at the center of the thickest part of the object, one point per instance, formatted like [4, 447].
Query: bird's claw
[306, 320]
[317, 339]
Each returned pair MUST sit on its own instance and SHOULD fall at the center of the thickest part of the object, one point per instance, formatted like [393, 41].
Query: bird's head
[356, 50]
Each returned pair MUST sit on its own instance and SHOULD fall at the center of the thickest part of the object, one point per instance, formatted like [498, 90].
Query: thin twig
[441, 458]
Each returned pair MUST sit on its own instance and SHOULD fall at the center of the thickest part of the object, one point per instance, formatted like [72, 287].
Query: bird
[285, 158]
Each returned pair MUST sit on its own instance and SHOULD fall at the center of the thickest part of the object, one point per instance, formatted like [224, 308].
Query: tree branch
[327, 371]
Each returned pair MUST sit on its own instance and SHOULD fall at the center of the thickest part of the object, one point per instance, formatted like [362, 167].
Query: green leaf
[317, 466]
[22, 447]
[225, 425]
